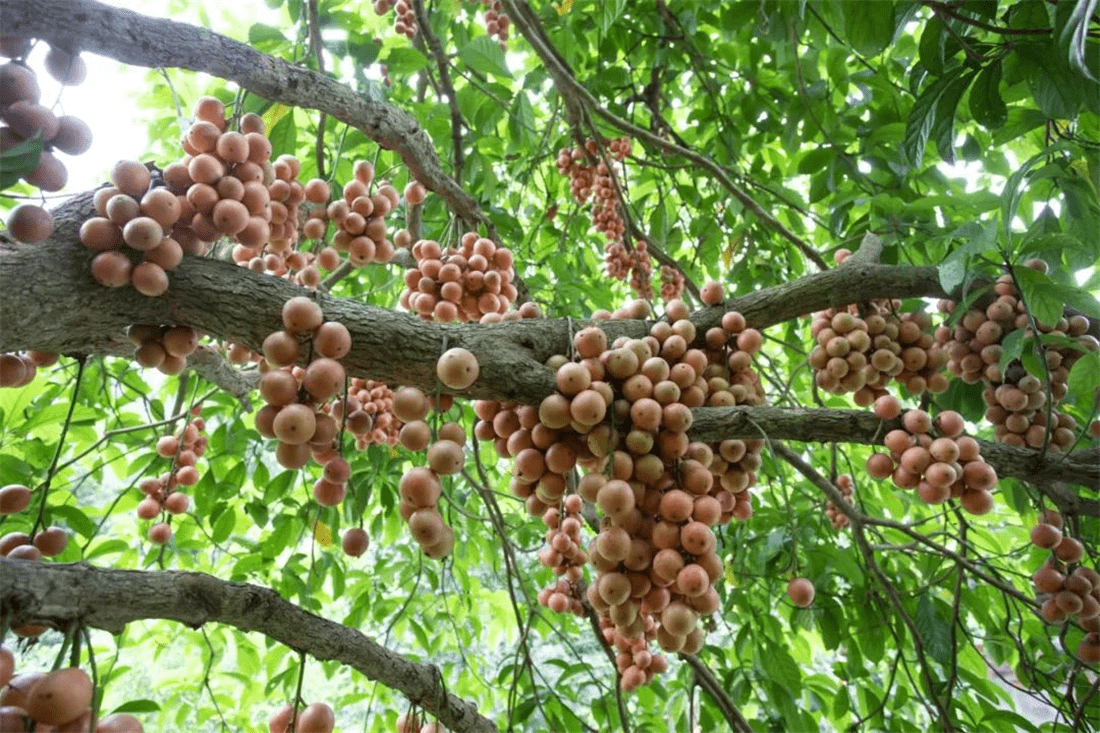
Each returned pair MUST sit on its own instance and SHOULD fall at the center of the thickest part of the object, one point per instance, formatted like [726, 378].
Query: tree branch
[63, 594]
[52, 281]
[861, 426]
[137, 40]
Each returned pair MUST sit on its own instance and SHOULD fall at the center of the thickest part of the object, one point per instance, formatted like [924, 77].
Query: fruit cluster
[839, 519]
[564, 555]
[420, 487]
[949, 466]
[162, 493]
[292, 393]
[404, 22]
[672, 283]
[463, 284]
[861, 348]
[1016, 400]
[359, 217]
[621, 412]
[48, 542]
[58, 700]
[496, 22]
[369, 410]
[165, 348]
[1068, 593]
[24, 117]
[316, 717]
[135, 216]
[590, 175]
[19, 370]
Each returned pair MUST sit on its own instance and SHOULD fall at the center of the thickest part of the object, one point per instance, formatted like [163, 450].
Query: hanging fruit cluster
[940, 466]
[404, 22]
[293, 394]
[19, 370]
[860, 348]
[1016, 400]
[621, 413]
[839, 519]
[590, 176]
[24, 117]
[496, 22]
[1066, 591]
[162, 494]
[359, 218]
[164, 348]
[459, 284]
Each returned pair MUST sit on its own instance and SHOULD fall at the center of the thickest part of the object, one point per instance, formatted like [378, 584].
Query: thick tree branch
[861, 426]
[85, 25]
[64, 594]
[52, 281]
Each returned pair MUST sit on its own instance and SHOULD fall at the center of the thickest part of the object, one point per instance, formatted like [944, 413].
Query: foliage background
[954, 132]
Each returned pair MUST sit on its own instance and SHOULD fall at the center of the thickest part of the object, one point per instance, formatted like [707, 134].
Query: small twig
[44, 487]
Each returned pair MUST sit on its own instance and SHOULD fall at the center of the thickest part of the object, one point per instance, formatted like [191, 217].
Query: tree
[617, 150]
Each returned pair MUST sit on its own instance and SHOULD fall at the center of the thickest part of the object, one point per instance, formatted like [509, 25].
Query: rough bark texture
[61, 308]
[84, 25]
[71, 313]
[861, 426]
[65, 594]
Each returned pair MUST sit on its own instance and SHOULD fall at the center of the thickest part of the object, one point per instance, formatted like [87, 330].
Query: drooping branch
[65, 594]
[137, 40]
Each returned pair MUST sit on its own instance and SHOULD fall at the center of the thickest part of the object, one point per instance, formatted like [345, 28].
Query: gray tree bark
[64, 595]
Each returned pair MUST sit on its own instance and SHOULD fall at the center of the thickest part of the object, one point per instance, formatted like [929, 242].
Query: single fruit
[801, 592]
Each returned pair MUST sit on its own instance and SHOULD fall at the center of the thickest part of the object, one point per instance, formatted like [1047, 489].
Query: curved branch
[65, 593]
[138, 40]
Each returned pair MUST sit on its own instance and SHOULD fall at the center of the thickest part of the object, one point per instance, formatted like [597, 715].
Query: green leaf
[934, 630]
[1084, 378]
[869, 27]
[986, 106]
[224, 526]
[138, 706]
[19, 160]
[485, 56]
[931, 47]
[110, 547]
[521, 121]
[933, 116]
[610, 10]
[1078, 299]
[75, 518]
[1006, 720]
[1012, 193]
[404, 61]
[1057, 91]
[1011, 347]
[259, 33]
[953, 270]
[284, 136]
[1071, 22]
[1042, 296]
